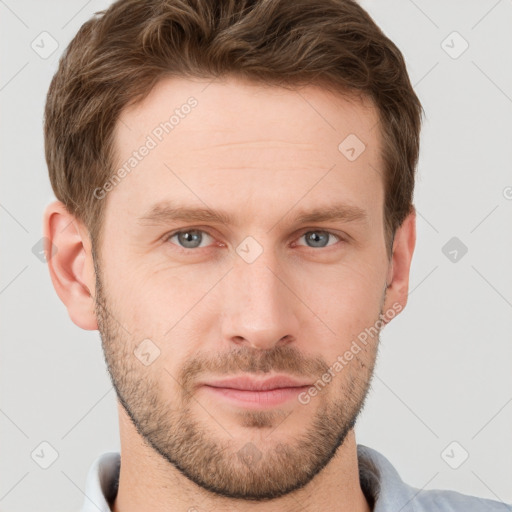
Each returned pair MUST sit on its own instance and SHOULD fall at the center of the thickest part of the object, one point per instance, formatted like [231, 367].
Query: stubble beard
[234, 468]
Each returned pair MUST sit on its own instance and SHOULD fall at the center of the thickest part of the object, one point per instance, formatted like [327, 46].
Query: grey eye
[318, 238]
[190, 239]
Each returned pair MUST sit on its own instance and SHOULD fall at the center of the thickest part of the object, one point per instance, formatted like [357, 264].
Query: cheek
[346, 290]
[346, 301]
[167, 309]
[145, 300]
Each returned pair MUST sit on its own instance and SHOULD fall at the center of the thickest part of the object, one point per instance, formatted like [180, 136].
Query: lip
[246, 383]
[253, 393]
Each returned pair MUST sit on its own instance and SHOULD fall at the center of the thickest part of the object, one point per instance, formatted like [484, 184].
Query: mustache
[283, 359]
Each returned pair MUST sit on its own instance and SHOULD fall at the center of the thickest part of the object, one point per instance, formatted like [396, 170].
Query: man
[234, 215]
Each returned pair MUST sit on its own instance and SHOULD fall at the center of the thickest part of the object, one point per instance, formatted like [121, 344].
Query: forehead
[234, 142]
[237, 107]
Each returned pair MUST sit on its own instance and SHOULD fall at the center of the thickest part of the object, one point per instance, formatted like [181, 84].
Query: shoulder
[451, 501]
[387, 492]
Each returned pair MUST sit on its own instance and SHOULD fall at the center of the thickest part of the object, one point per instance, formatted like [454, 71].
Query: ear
[69, 258]
[399, 267]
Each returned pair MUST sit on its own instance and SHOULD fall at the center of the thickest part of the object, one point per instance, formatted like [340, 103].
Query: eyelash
[168, 237]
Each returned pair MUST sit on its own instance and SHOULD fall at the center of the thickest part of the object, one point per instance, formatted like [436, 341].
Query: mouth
[253, 393]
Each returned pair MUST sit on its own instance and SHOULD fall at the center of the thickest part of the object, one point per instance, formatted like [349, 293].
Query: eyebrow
[166, 212]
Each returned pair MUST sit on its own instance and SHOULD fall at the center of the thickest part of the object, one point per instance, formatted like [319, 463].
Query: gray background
[444, 371]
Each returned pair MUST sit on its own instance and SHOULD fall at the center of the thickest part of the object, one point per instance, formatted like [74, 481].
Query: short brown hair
[118, 55]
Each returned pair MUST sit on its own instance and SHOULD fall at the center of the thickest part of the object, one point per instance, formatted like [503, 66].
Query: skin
[262, 154]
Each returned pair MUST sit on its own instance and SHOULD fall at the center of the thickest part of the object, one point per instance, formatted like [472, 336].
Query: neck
[148, 482]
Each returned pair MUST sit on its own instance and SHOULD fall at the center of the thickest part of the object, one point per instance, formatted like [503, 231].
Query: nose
[260, 306]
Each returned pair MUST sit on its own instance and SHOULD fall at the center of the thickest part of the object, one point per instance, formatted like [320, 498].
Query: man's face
[186, 306]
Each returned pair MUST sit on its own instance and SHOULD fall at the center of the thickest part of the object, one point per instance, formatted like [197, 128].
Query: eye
[318, 238]
[190, 238]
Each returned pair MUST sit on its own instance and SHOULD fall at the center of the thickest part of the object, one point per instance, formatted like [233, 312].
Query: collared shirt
[384, 489]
